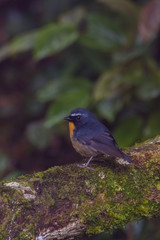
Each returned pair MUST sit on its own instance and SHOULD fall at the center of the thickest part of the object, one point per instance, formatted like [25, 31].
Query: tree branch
[64, 202]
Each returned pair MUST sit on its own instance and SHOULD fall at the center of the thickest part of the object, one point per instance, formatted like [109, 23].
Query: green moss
[124, 197]
[104, 199]
[158, 185]
[39, 175]
[3, 232]
[24, 235]
[153, 165]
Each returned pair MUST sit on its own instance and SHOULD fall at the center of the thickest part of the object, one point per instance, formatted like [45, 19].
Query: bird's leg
[90, 159]
[85, 165]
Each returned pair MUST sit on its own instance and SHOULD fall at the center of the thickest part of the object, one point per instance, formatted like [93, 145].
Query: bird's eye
[78, 118]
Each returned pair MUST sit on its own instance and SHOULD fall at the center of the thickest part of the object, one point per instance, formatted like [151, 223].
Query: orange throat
[71, 129]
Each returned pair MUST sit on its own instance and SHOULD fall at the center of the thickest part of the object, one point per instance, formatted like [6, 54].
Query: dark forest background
[55, 56]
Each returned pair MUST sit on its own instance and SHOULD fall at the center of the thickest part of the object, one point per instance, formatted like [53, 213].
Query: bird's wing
[103, 143]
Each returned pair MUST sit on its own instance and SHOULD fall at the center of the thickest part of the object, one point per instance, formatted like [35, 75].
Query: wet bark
[66, 202]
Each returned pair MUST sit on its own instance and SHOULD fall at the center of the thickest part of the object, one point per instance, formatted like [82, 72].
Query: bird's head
[79, 117]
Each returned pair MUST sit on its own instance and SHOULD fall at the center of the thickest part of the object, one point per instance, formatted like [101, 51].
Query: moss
[124, 197]
[158, 185]
[104, 199]
[39, 175]
[153, 165]
[24, 235]
[3, 232]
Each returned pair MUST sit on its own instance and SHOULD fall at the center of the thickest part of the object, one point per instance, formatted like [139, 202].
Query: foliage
[103, 55]
[87, 55]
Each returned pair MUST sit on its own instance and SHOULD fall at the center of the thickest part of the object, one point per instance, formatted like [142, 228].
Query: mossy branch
[67, 201]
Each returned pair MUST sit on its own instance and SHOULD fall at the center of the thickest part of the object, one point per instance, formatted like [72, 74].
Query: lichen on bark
[67, 201]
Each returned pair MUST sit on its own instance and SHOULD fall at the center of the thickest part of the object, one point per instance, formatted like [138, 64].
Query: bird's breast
[71, 129]
[81, 148]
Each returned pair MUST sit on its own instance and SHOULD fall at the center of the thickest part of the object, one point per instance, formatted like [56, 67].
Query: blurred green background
[55, 56]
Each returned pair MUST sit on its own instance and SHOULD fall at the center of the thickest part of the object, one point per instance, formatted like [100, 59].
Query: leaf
[38, 134]
[45, 41]
[147, 91]
[103, 33]
[13, 174]
[130, 54]
[149, 21]
[117, 81]
[54, 38]
[153, 126]
[5, 52]
[109, 108]
[149, 85]
[65, 103]
[142, 76]
[18, 44]
[4, 163]
[124, 7]
[73, 16]
[128, 130]
[107, 85]
[50, 90]
[23, 42]
[57, 87]
[95, 60]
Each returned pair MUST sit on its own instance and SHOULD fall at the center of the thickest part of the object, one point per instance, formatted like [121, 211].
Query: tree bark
[65, 202]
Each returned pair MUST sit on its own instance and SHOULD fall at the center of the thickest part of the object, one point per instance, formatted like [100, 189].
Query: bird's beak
[67, 118]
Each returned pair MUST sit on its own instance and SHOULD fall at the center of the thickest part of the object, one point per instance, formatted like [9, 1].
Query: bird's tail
[127, 158]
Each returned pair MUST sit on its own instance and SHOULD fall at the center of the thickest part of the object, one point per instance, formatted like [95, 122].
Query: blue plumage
[91, 137]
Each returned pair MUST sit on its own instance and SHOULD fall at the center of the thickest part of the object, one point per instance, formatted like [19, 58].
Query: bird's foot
[85, 165]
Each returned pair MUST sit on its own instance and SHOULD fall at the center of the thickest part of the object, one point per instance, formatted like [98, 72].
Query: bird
[90, 137]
